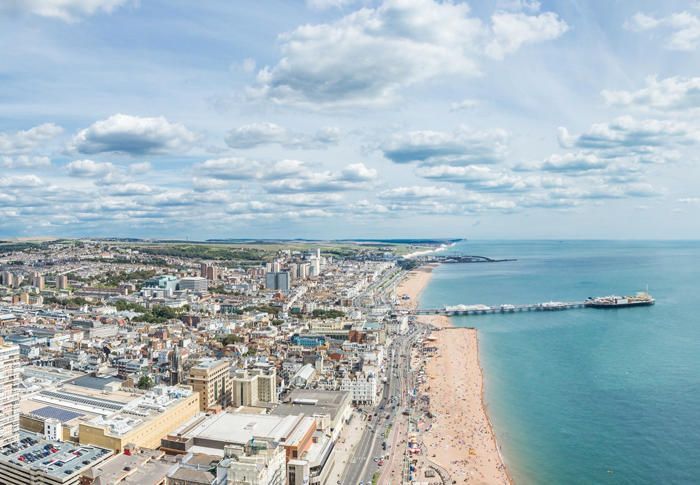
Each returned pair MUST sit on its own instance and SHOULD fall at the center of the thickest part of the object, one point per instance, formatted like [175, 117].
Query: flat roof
[59, 459]
[95, 383]
[239, 428]
[208, 363]
[313, 402]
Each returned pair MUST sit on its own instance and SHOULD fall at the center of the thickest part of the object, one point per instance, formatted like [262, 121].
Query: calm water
[587, 396]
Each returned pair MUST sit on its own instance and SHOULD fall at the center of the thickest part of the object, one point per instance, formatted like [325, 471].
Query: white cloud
[682, 29]
[131, 189]
[25, 161]
[520, 5]
[365, 57]
[207, 184]
[464, 105]
[632, 135]
[513, 30]
[352, 177]
[256, 134]
[28, 140]
[672, 93]
[358, 172]
[326, 4]
[461, 147]
[234, 168]
[230, 168]
[21, 181]
[574, 162]
[140, 168]
[67, 10]
[88, 168]
[415, 192]
[133, 135]
[308, 200]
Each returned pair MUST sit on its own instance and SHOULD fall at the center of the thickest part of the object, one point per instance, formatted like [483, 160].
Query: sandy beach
[459, 437]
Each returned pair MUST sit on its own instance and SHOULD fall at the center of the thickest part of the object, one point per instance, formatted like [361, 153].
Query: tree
[145, 382]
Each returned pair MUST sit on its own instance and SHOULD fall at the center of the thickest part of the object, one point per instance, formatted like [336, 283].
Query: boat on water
[613, 301]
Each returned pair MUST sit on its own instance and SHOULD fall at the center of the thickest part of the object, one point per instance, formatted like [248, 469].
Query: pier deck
[535, 307]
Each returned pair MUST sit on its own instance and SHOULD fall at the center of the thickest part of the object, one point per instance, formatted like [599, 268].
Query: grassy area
[375, 478]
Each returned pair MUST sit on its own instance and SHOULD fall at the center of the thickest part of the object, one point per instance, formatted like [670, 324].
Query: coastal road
[395, 398]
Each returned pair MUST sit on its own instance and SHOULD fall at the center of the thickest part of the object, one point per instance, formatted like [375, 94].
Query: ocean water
[587, 396]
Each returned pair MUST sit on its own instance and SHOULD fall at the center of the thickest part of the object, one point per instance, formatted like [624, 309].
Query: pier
[551, 306]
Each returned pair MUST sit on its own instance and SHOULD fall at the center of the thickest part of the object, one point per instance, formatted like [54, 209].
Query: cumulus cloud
[353, 177]
[234, 168]
[67, 10]
[25, 161]
[572, 162]
[512, 30]
[25, 141]
[21, 181]
[630, 134]
[131, 189]
[672, 93]
[367, 56]
[415, 192]
[88, 168]
[133, 135]
[308, 200]
[681, 30]
[256, 134]
[461, 147]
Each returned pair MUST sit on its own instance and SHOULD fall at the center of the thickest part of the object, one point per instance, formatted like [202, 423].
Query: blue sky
[349, 118]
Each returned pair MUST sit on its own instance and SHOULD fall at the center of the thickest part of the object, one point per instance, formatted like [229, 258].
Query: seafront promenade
[452, 427]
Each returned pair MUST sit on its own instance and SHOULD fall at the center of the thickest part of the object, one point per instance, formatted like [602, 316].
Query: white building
[9, 393]
[195, 284]
[257, 463]
[363, 388]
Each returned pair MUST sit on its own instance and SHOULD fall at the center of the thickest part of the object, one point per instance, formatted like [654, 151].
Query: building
[165, 284]
[175, 367]
[100, 414]
[212, 273]
[195, 284]
[303, 376]
[280, 281]
[134, 467]
[195, 469]
[362, 386]
[62, 282]
[253, 387]
[255, 463]
[38, 281]
[210, 434]
[9, 393]
[8, 279]
[330, 409]
[34, 460]
[212, 380]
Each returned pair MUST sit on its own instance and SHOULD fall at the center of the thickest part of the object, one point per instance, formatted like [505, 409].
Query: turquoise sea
[587, 396]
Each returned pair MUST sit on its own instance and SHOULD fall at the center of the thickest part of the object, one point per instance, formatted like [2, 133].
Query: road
[395, 399]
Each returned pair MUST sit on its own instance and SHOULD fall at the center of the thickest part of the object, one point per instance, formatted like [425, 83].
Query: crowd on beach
[455, 433]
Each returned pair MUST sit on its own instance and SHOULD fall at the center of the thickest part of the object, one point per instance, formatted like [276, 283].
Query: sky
[323, 119]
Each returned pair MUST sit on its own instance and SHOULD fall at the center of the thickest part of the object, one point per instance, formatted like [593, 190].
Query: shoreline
[459, 438]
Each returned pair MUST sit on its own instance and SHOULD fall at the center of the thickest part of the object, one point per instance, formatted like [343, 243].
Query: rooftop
[55, 459]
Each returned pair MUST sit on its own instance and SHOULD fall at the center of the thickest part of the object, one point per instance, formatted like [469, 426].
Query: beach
[458, 438]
